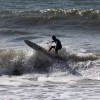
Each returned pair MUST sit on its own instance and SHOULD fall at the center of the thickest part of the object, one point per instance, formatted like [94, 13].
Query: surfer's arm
[49, 42]
[52, 41]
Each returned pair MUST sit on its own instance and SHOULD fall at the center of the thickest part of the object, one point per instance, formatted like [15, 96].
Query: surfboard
[38, 48]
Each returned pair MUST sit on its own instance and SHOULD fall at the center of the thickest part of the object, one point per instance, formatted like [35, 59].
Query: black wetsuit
[58, 45]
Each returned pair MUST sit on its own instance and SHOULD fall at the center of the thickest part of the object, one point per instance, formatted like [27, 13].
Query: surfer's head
[54, 37]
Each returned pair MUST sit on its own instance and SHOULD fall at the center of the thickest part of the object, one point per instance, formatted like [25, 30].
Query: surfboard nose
[25, 41]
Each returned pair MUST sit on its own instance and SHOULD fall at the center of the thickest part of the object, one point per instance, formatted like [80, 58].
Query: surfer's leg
[56, 50]
[51, 48]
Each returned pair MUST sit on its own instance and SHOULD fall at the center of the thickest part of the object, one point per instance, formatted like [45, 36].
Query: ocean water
[26, 74]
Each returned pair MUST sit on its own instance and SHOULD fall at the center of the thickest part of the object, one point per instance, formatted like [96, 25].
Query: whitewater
[26, 74]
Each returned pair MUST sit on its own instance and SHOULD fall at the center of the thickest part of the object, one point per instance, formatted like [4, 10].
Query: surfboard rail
[37, 48]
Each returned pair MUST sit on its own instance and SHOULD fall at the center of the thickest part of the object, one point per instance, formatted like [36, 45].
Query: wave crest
[18, 62]
[67, 16]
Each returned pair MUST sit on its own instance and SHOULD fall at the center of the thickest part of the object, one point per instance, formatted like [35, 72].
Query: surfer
[58, 44]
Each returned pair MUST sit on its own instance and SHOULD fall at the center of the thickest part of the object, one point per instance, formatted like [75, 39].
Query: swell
[61, 16]
[13, 32]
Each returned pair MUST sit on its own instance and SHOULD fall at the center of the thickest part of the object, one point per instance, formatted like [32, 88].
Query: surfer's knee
[56, 50]
[51, 48]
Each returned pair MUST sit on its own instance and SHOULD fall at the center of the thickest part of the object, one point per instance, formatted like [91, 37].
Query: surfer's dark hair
[53, 37]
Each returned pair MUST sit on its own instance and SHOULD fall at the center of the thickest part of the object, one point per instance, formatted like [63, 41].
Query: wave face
[65, 17]
[18, 62]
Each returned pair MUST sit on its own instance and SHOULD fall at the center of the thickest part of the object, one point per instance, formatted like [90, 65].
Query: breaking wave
[62, 16]
[18, 62]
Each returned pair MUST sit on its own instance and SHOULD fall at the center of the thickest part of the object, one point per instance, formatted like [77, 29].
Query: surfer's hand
[48, 42]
